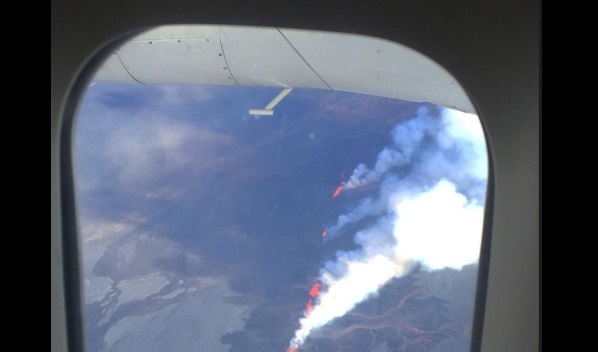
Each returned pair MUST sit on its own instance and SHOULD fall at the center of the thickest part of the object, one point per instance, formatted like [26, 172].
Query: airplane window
[249, 215]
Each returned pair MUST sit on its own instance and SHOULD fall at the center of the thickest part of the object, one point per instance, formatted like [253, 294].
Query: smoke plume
[428, 209]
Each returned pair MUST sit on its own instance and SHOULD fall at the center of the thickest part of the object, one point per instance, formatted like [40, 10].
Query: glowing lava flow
[308, 308]
[314, 291]
[293, 346]
[338, 189]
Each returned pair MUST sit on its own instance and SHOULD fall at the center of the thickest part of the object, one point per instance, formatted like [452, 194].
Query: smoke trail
[429, 210]
[424, 149]
[407, 139]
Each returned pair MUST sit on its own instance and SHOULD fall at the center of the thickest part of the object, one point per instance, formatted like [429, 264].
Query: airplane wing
[286, 58]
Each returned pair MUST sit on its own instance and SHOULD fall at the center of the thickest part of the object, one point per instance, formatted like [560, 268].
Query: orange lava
[338, 189]
[315, 290]
[293, 347]
[308, 308]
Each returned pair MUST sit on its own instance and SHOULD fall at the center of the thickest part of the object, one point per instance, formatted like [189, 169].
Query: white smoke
[431, 215]
[407, 140]
[425, 149]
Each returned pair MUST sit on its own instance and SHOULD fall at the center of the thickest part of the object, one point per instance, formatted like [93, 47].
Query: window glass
[334, 221]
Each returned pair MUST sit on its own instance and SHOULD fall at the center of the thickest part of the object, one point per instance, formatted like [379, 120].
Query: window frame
[70, 231]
